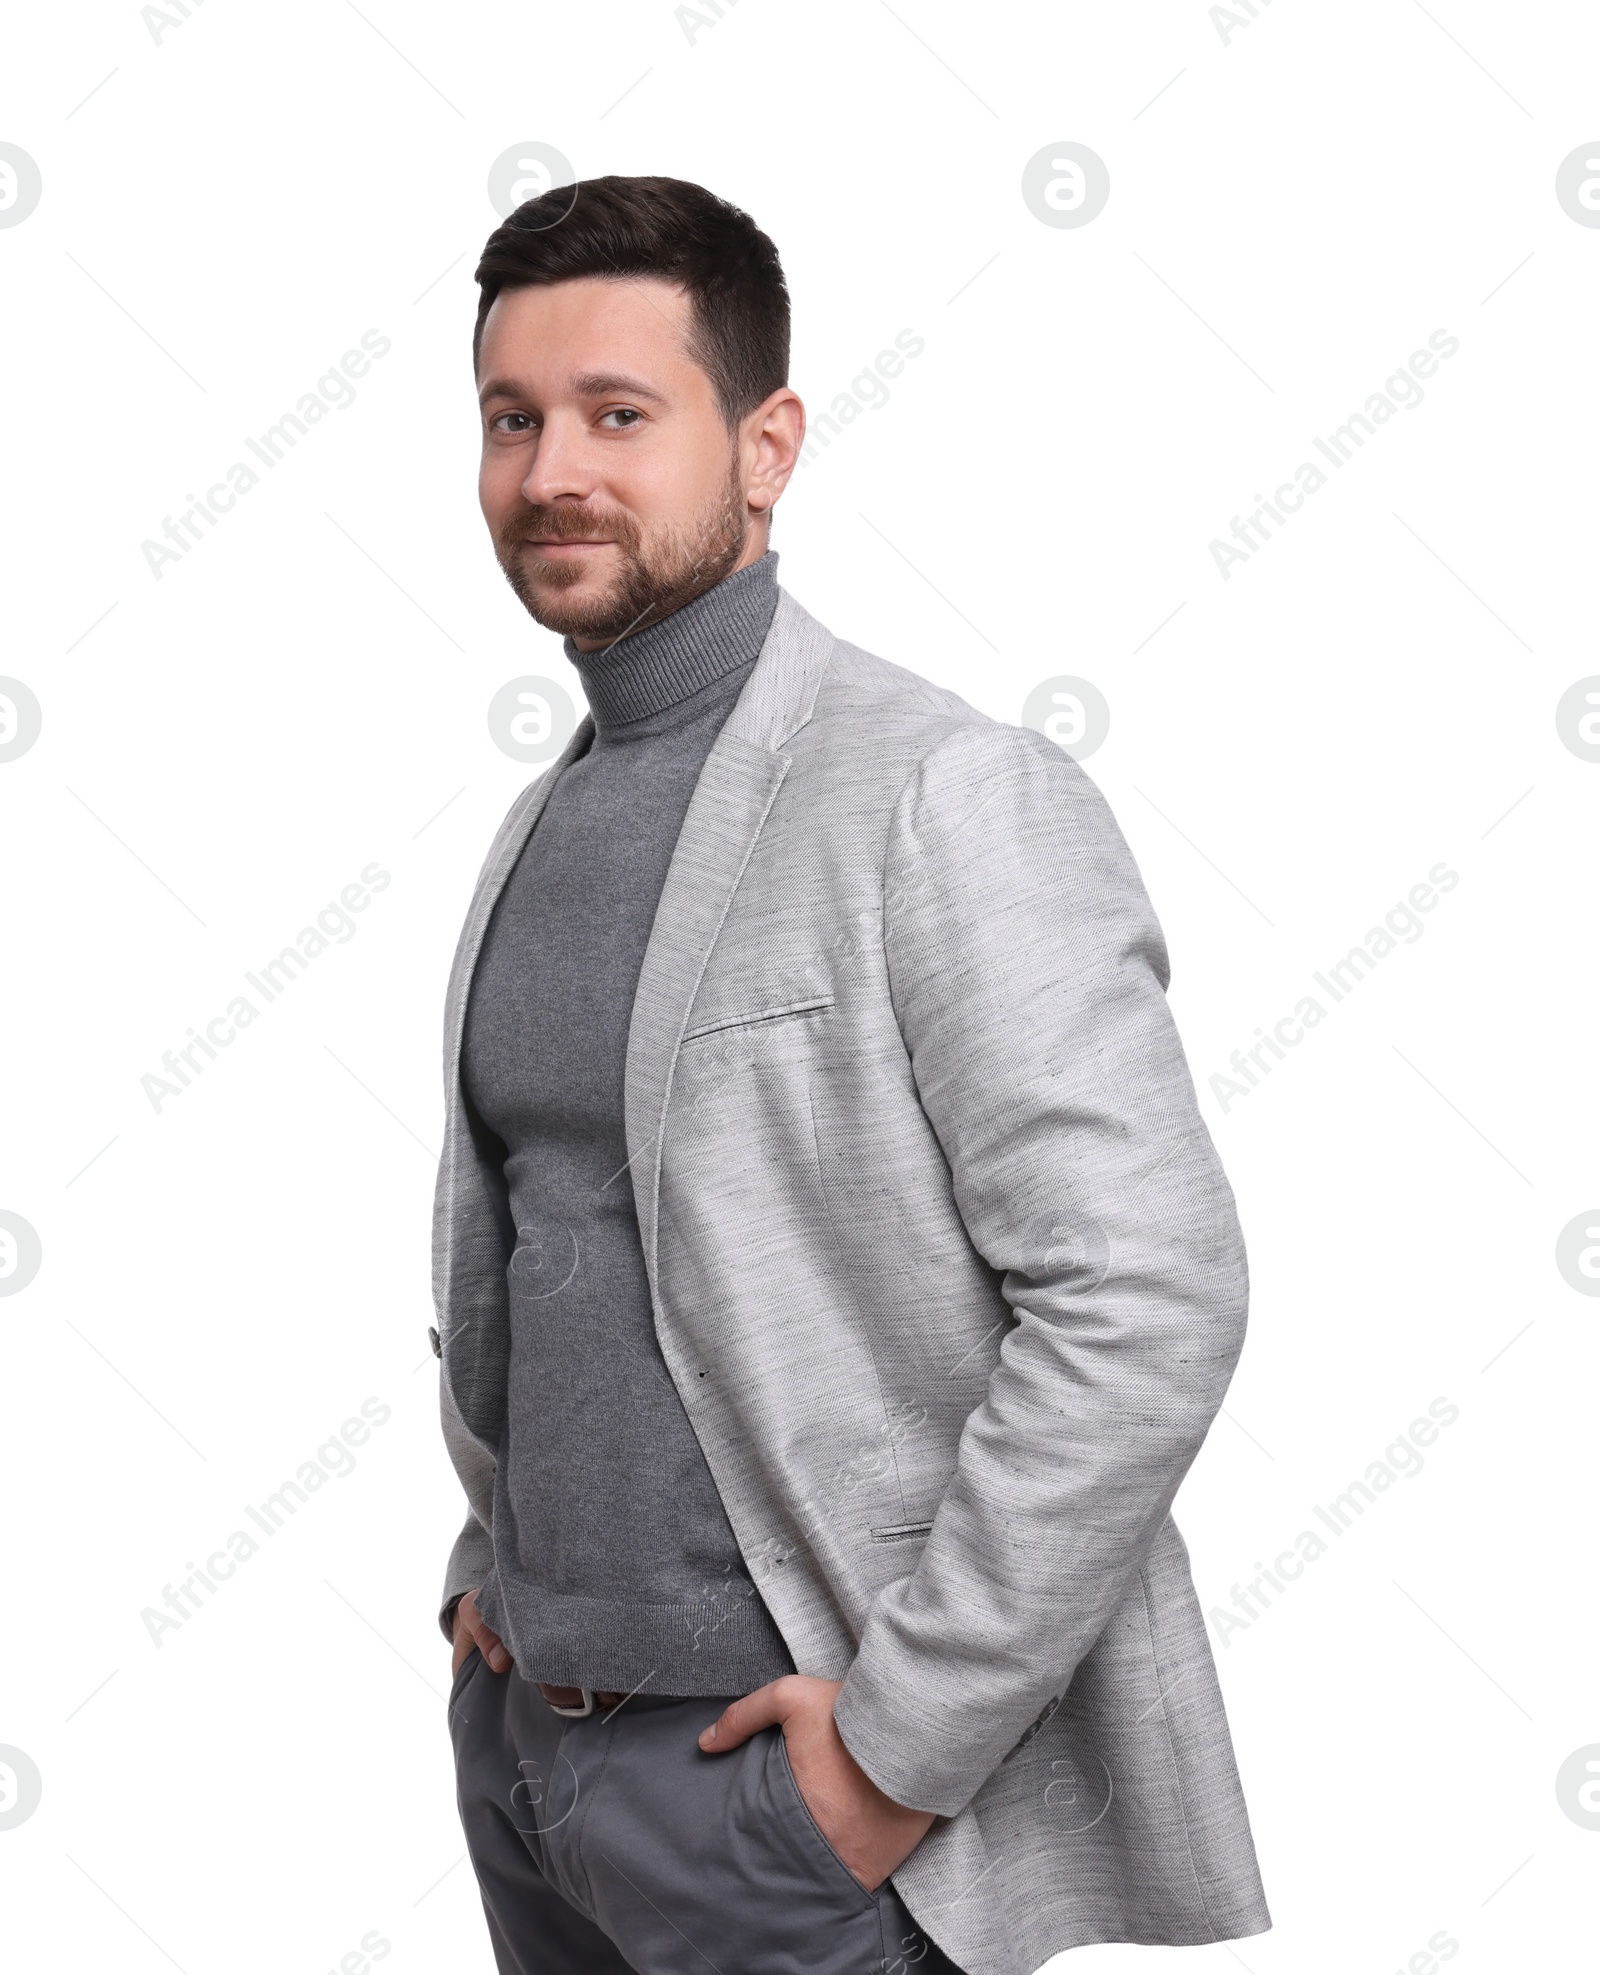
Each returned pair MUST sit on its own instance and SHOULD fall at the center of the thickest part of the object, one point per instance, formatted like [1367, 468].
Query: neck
[701, 642]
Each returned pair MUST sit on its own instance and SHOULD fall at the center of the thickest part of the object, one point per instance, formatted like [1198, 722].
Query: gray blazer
[949, 1277]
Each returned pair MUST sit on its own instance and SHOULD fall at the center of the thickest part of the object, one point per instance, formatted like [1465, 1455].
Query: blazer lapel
[731, 802]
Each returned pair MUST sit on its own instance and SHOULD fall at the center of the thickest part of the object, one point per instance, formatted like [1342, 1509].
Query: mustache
[565, 524]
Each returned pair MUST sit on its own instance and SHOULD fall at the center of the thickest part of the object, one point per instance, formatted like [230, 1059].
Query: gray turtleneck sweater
[614, 1563]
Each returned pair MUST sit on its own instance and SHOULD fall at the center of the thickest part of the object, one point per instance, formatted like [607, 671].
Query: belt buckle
[578, 1713]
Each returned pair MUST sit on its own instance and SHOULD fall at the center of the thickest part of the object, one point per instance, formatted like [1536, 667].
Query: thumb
[743, 1718]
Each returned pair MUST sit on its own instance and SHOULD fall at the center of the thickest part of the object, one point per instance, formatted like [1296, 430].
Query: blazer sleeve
[1028, 976]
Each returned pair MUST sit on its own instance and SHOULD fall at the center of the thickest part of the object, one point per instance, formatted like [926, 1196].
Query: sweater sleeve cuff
[447, 1616]
[471, 1560]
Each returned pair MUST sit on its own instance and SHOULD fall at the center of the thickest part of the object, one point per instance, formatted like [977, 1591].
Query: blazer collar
[781, 691]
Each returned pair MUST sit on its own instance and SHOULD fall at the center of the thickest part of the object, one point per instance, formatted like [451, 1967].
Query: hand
[871, 1833]
[470, 1631]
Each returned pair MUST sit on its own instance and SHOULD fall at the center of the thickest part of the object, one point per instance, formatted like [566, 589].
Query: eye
[625, 412]
[497, 423]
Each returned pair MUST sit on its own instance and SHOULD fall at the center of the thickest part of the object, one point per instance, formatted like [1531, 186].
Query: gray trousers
[614, 1843]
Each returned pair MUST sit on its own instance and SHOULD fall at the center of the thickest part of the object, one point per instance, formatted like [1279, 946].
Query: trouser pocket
[692, 1858]
[462, 1675]
[787, 1794]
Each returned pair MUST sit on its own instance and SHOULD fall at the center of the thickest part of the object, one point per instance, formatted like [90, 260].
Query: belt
[577, 1702]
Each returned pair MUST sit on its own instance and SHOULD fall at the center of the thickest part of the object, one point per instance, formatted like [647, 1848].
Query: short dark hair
[614, 227]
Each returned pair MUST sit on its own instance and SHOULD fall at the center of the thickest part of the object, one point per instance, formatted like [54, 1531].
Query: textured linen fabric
[614, 1563]
[948, 1274]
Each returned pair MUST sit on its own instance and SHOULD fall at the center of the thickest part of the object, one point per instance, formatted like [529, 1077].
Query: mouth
[559, 548]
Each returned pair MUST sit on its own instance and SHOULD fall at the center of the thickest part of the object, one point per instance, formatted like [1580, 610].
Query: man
[835, 1278]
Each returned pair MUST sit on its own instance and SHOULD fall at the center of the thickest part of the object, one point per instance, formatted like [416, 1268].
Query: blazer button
[433, 1339]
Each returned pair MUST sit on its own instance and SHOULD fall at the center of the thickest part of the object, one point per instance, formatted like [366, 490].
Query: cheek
[668, 479]
[500, 477]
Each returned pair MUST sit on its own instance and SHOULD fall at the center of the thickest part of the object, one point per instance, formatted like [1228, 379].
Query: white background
[225, 1281]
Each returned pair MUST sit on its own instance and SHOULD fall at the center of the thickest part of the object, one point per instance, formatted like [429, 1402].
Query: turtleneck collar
[703, 641]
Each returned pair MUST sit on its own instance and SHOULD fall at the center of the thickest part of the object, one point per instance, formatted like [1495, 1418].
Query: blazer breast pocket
[751, 1020]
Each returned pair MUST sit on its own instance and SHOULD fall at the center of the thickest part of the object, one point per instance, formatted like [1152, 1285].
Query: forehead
[550, 335]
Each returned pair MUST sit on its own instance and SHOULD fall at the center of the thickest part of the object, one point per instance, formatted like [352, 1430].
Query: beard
[654, 577]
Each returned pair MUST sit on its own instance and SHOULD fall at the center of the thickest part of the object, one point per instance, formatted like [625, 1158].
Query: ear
[771, 438]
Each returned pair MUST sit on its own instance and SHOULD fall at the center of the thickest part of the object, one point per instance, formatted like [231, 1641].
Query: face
[613, 490]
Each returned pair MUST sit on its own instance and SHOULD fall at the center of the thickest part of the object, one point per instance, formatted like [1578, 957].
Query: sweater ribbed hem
[728, 1646]
[705, 639]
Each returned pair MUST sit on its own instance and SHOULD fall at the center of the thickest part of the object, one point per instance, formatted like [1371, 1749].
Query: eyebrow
[587, 384]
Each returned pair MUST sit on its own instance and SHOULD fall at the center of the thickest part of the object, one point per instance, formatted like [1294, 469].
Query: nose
[558, 470]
